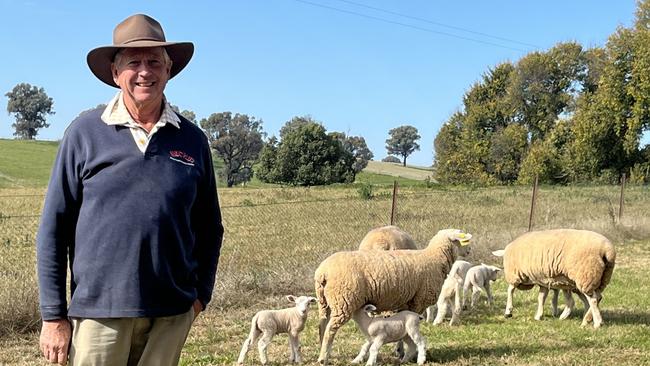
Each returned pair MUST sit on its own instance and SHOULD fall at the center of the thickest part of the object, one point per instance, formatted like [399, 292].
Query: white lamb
[404, 325]
[268, 323]
[565, 259]
[478, 280]
[392, 280]
[451, 293]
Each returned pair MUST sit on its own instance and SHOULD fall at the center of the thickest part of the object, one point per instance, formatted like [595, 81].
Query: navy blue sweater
[141, 232]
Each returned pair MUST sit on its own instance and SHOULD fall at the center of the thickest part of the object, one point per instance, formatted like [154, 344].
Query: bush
[391, 159]
[365, 191]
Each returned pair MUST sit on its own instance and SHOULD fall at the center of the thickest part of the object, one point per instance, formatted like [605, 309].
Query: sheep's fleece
[387, 238]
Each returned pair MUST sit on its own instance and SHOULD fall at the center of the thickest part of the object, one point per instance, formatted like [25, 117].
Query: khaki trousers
[129, 341]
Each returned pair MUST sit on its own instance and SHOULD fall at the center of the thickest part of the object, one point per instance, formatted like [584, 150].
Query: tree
[30, 105]
[507, 149]
[307, 156]
[185, 113]
[355, 145]
[237, 140]
[402, 141]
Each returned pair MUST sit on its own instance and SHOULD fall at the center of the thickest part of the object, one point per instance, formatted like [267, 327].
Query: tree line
[566, 115]
[305, 153]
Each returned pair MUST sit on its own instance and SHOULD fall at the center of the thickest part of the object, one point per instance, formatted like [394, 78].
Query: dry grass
[273, 243]
[397, 170]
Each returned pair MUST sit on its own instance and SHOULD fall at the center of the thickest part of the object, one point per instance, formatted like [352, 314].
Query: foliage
[365, 191]
[355, 145]
[30, 105]
[507, 148]
[185, 113]
[402, 141]
[237, 140]
[391, 159]
[305, 156]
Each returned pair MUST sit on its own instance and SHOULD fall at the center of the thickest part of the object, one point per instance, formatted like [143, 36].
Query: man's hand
[198, 308]
[55, 340]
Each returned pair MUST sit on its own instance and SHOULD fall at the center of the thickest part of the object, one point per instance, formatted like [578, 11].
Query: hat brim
[100, 59]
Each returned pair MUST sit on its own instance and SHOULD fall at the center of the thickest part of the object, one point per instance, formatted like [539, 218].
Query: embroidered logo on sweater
[181, 157]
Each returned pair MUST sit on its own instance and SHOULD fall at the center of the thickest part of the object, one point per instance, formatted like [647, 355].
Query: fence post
[532, 205]
[620, 201]
[394, 206]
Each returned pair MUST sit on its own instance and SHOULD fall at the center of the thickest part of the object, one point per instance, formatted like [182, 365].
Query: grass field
[276, 236]
[26, 163]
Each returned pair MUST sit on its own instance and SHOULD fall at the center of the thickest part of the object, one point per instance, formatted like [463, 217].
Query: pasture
[275, 238]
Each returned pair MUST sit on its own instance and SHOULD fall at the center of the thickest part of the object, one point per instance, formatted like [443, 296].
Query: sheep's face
[302, 302]
[462, 242]
[493, 271]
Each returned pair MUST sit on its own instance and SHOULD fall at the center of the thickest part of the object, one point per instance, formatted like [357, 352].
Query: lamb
[391, 280]
[404, 325]
[387, 238]
[268, 323]
[563, 258]
[478, 280]
[452, 291]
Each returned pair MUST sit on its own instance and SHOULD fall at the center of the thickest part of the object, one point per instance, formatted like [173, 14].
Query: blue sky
[356, 69]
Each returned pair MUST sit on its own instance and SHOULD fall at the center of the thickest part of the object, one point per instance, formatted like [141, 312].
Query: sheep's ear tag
[463, 238]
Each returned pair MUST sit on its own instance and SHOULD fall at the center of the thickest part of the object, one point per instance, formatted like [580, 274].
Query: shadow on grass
[619, 317]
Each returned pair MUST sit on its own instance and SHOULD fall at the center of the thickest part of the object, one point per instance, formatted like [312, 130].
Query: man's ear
[114, 73]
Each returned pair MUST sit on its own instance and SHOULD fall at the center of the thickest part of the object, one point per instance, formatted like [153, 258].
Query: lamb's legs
[443, 306]
[511, 290]
[262, 345]
[455, 312]
[541, 298]
[411, 350]
[554, 298]
[568, 304]
[430, 310]
[248, 344]
[362, 353]
[294, 346]
[420, 345]
[488, 292]
[374, 351]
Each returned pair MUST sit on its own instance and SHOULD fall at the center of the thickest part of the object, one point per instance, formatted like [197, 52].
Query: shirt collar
[117, 114]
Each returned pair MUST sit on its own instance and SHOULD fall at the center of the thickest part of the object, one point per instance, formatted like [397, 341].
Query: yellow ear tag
[464, 242]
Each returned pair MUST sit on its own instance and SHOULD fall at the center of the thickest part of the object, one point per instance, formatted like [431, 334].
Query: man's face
[142, 74]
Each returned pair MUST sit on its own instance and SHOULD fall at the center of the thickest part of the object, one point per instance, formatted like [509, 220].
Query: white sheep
[268, 323]
[404, 325]
[451, 293]
[387, 238]
[478, 280]
[566, 259]
[391, 280]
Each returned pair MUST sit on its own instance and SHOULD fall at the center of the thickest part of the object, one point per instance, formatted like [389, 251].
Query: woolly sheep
[387, 238]
[451, 292]
[391, 280]
[478, 280]
[563, 258]
[268, 323]
[404, 325]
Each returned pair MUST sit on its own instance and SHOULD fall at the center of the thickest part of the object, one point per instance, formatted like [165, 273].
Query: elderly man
[132, 208]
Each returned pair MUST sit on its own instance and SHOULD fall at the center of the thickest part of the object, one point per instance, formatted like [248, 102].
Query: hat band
[140, 39]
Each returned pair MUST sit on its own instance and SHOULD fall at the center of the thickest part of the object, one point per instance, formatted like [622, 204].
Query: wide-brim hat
[137, 31]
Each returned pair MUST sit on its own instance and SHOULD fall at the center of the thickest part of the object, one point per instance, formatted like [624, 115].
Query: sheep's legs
[333, 325]
[511, 290]
[593, 311]
[488, 292]
[554, 298]
[294, 348]
[362, 353]
[541, 299]
[443, 307]
[248, 345]
[419, 343]
[262, 345]
[569, 304]
[583, 298]
[411, 350]
[429, 313]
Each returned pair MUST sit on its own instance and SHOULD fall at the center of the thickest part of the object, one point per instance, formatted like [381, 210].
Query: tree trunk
[404, 161]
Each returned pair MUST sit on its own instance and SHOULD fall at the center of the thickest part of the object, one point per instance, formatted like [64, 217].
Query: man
[132, 208]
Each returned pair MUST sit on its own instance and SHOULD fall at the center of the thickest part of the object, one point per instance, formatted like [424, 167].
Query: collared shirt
[117, 114]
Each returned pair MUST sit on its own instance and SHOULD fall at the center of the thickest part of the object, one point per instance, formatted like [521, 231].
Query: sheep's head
[302, 302]
[460, 239]
[494, 271]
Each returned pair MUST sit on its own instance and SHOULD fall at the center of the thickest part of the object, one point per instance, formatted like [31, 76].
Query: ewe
[565, 259]
[271, 322]
[391, 280]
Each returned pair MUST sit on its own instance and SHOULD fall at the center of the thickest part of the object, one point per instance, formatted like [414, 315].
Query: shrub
[391, 159]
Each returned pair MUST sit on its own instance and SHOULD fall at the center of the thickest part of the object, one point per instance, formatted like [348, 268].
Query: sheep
[452, 290]
[404, 325]
[268, 323]
[387, 238]
[478, 279]
[562, 258]
[391, 280]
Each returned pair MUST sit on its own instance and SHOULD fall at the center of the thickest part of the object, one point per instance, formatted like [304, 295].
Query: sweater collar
[117, 114]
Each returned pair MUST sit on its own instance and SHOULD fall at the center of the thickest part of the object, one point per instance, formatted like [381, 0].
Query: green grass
[26, 163]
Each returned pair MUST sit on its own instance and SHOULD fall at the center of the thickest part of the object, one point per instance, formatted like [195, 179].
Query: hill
[397, 170]
[26, 163]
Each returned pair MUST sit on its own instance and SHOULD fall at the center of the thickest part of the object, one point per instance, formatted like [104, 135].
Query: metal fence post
[394, 206]
[532, 205]
[620, 202]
